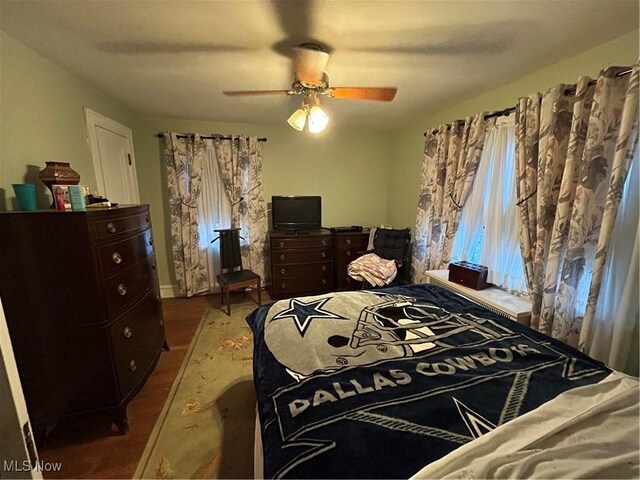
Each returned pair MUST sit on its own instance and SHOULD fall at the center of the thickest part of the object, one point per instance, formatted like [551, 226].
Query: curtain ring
[520, 202]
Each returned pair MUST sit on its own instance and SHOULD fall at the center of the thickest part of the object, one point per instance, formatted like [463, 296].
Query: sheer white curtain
[615, 339]
[488, 232]
[214, 211]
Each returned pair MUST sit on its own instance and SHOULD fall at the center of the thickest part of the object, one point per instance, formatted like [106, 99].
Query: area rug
[206, 428]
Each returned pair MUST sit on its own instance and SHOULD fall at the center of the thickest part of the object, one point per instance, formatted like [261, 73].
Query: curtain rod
[507, 111]
[211, 137]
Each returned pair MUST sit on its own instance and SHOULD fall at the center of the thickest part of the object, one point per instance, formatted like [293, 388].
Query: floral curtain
[449, 164]
[240, 161]
[572, 155]
[184, 159]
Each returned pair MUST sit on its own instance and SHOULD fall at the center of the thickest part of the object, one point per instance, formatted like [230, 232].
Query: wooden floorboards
[91, 447]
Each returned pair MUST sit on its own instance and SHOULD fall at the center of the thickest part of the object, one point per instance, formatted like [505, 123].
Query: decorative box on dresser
[81, 297]
[301, 264]
[347, 247]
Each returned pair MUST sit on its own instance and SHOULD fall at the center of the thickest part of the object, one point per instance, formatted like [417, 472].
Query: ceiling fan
[311, 81]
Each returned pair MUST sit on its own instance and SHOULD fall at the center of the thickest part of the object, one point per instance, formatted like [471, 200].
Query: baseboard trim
[168, 291]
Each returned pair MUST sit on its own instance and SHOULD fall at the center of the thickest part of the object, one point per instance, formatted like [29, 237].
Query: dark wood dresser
[301, 264]
[347, 247]
[81, 297]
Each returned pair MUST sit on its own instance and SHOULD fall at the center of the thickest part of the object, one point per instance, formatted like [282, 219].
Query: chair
[233, 276]
[393, 244]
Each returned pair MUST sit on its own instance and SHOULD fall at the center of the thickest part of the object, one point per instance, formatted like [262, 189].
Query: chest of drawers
[81, 297]
[301, 264]
[347, 247]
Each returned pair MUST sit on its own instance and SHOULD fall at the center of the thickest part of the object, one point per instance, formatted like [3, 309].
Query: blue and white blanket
[377, 384]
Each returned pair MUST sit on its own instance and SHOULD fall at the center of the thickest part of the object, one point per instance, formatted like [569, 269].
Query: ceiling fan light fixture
[318, 120]
[298, 119]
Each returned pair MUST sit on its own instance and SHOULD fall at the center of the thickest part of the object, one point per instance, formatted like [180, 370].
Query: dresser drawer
[301, 242]
[119, 256]
[301, 256]
[138, 327]
[348, 255]
[345, 282]
[104, 228]
[352, 241]
[301, 270]
[293, 285]
[126, 287]
[133, 367]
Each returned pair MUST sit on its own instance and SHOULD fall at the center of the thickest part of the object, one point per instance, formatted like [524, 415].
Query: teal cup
[26, 196]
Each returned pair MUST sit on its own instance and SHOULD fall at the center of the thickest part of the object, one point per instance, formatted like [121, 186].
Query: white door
[113, 159]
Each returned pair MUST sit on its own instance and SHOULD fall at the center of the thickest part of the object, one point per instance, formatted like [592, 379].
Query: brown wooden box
[469, 274]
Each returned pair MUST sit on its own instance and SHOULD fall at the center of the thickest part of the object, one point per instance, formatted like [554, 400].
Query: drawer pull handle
[281, 244]
[127, 332]
[150, 241]
[348, 253]
[117, 258]
[146, 219]
[323, 254]
[324, 243]
[324, 281]
[283, 271]
[133, 366]
[324, 268]
[153, 265]
[111, 227]
[281, 257]
[284, 285]
[348, 241]
[122, 289]
[348, 279]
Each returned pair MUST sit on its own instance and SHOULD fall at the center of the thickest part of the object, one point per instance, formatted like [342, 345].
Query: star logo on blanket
[303, 313]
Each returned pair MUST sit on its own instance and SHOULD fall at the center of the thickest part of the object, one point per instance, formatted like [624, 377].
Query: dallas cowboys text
[395, 377]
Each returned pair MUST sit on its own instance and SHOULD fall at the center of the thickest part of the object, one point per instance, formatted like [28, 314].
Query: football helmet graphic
[333, 331]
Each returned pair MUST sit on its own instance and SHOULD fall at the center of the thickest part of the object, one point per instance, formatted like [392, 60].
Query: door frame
[15, 415]
[94, 119]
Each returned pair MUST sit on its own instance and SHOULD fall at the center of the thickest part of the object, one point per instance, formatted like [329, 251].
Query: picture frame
[61, 197]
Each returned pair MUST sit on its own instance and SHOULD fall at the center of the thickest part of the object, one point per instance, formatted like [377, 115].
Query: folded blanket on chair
[373, 269]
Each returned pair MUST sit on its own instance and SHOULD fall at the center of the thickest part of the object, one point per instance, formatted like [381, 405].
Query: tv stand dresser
[82, 303]
[313, 262]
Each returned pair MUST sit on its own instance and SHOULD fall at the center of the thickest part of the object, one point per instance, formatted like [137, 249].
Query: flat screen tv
[296, 213]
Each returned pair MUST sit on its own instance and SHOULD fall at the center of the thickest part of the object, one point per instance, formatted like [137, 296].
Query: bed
[418, 381]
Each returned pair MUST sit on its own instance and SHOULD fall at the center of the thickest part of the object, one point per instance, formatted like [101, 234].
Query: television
[296, 213]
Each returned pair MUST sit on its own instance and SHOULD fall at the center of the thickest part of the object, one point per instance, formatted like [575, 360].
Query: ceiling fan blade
[364, 93]
[239, 93]
[309, 64]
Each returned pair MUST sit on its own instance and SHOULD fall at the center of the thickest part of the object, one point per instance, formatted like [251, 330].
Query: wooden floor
[92, 447]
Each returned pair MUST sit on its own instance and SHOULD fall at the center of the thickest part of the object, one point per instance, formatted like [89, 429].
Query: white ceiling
[174, 58]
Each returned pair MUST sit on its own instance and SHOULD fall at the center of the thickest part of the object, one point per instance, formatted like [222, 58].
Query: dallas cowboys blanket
[377, 384]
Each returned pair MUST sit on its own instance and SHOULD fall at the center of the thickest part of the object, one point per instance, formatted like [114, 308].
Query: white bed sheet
[587, 432]
[258, 458]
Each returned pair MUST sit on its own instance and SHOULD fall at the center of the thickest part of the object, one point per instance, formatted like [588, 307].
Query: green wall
[347, 167]
[41, 119]
[408, 142]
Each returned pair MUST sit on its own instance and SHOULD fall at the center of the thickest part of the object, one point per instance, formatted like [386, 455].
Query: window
[214, 211]
[488, 229]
